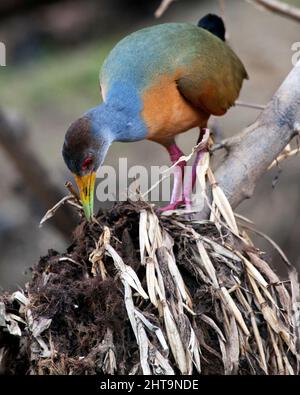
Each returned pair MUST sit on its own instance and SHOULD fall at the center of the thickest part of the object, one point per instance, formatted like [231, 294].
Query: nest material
[140, 294]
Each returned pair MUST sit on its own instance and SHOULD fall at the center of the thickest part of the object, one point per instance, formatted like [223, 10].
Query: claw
[171, 206]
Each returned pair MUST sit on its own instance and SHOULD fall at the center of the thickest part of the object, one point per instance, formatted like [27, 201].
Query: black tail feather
[214, 24]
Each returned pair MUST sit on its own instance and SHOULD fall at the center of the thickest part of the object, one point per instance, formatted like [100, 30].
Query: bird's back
[147, 53]
[182, 65]
[143, 56]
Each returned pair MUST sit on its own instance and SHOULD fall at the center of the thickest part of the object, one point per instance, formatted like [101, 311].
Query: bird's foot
[185, 203]
[171, 206]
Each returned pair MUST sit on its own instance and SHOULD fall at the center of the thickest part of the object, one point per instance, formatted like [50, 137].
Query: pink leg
[177, 193]
[182, 195]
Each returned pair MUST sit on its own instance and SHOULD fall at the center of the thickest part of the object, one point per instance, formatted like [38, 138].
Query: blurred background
[54, 53]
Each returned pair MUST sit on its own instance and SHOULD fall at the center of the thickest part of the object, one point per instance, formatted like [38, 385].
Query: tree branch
[13, 139]
[280, 8]
[164, 5]
[254, 149]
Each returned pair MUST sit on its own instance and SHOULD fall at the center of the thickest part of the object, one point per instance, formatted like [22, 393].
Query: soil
[88, 313]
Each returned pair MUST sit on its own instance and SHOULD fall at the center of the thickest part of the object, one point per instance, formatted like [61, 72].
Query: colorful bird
[156, 83]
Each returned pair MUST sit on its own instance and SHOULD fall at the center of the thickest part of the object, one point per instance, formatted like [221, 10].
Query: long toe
[171, 206]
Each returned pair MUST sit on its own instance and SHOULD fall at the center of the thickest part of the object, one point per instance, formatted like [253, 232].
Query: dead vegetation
[140, 294]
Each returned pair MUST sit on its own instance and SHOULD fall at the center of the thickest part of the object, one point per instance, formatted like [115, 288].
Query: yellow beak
[86, 187]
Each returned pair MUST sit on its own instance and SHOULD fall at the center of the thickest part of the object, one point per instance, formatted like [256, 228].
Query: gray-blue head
[84, 150]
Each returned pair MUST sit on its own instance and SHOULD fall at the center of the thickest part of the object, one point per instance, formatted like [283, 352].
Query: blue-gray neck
[119, 119]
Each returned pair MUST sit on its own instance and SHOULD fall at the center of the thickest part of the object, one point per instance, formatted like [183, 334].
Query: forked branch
[280, 7]
[252, 151]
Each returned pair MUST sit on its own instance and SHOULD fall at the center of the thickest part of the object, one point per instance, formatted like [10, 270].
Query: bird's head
[84, 150]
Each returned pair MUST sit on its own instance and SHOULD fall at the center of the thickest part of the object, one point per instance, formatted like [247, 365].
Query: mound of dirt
[136, 294]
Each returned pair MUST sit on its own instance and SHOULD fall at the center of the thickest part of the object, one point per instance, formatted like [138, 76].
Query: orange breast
[166, 112]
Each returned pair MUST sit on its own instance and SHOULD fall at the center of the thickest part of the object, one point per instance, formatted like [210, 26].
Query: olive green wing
[213, 75]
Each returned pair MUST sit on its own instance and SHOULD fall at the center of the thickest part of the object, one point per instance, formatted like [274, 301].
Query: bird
[156, 83]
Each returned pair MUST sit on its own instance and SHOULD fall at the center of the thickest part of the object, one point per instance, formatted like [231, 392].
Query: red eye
[86, 163]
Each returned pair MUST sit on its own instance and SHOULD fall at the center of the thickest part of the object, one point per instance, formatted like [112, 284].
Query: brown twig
[250, 105]
[72, 191]
[279, 7]
[164, 5]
